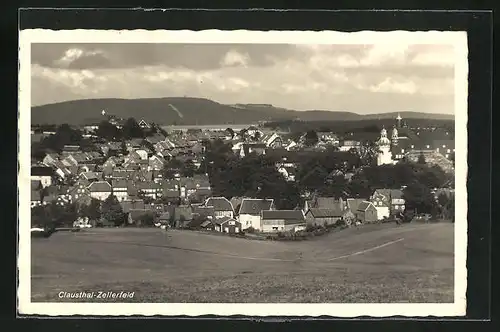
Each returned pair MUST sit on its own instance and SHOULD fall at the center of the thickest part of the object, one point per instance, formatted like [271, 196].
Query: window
[412, 146]
[427, 146]
[448, 151]
[76, 196]
[402, 150]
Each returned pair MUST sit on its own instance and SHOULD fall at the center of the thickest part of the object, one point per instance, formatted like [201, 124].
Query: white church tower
[384, 145]
[394, 136]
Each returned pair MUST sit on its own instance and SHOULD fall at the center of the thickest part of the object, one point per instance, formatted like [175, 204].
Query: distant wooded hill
[192, 111]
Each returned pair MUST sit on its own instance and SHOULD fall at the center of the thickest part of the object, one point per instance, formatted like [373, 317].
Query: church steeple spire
[398, 119]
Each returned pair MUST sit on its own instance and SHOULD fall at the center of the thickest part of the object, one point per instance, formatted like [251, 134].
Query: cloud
[358, 78]
[233, 58]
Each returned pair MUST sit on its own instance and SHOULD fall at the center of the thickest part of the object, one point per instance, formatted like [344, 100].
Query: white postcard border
[458, 39]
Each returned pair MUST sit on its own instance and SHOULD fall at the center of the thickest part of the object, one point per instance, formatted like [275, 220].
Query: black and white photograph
[243, 173]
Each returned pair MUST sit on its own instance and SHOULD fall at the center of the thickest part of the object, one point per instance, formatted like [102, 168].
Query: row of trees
[129, 130]
[251, 176]
[257, 176]
[108, 211]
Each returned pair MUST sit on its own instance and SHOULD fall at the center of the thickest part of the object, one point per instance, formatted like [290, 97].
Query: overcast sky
[357, 78]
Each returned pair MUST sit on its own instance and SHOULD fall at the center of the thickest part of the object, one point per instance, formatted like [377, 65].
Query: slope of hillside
[159, 110]
[190, 111]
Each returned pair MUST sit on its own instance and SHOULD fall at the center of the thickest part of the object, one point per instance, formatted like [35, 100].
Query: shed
[227, 225]
[366, 213]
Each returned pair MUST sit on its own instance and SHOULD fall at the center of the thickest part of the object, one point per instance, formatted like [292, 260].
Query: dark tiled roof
[205, 211]
[326, 213]
[389, 193]
[223, 220]
[291, 215]
[255, 206]
[168, 193]
[132, 205]
[100, 186]
[164, 216]
[353, 203]
[121, 183]
[36, 184]
[364, 205]
[35, 195]
[220, 204]
[42, 171]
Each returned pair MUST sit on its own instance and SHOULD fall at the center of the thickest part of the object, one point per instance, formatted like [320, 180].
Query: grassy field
[376, 264]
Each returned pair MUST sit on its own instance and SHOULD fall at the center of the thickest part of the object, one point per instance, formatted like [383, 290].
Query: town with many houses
[132, 178]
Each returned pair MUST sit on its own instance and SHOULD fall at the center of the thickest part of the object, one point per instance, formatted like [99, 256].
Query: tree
[257, 136]
[421, 159]
[171, 168]
[447, 206]
[230, 131]
[188, 169]
[148, 219]
[311, 138]
[64, 135]
[93, 210]
[419, 198]
[107, 130]
[131, 129]
[123, 148]
[112, 210]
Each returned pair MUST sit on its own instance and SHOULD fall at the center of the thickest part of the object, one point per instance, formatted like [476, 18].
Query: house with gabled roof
[120, 189]
[50, 159]
[90, 176]
[36, 185]
[44, 174]
[100, 190]
[272, 140]
[324, 216]
[149, 189]
[388, 202]
[156, 163]
[36, 198]
[79, 192]
[282, 220]
[321, 202]
[249, 214]
[156, 138]
[144, 125]
[136, 204]
[366, 213]
[227, 225]
[222, 207]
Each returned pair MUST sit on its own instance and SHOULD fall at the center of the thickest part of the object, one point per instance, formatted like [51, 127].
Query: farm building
[323, 217]
[366, 212]
[227, 225]
[222, 207]
[281, 220]
[250, 209]
[319, 202]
